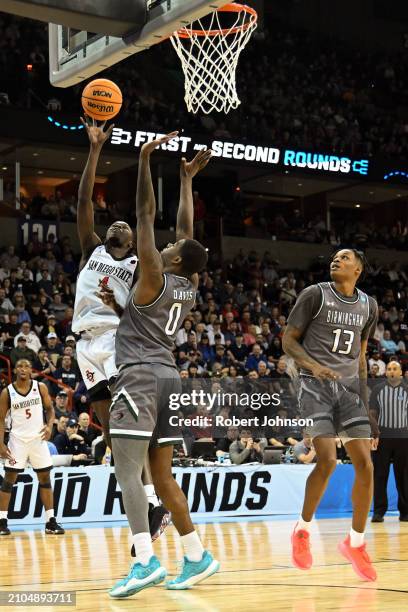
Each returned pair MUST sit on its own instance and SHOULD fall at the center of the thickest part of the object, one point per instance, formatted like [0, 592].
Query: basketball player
[139, 424]
[327, 334]
[112, 264]
[26, 399]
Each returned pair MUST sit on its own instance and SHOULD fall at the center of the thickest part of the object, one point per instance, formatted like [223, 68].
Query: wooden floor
[256, 572]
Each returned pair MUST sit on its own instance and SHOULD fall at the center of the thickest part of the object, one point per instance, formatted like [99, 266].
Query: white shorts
[96, 359]
[34, 451]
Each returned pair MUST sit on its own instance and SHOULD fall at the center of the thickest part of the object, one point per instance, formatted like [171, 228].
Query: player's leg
[400, 459]
[353, 547]
[130, 455]
[6, 488]
[316, 485]
[382, 462]
[41, 461]
[198, 563]
[159, 516]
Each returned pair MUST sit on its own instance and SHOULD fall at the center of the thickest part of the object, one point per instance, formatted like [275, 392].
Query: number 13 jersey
[334, 325]
[146, 334]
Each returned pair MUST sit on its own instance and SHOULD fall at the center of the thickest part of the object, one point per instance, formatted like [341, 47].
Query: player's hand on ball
[97, 136]
[5, 453]
[190, 169]
[322, 373]
[45, 433]
[149, 147]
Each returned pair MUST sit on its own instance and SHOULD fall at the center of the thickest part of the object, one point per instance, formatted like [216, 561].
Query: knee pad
[6, 487]
[45, 485]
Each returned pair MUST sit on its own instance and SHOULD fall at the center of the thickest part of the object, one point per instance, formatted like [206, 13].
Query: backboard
[77, 55]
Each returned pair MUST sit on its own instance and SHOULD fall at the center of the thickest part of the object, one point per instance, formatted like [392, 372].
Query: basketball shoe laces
[364, 554]
[302, 542]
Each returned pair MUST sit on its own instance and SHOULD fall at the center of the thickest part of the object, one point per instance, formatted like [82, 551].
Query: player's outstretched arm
[85, 214]
[292, 347]
[49, 411]
[150, 262]
[4, 405]
[188, 170]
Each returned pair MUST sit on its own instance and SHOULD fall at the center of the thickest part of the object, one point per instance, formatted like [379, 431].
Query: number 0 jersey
[334, 325]
[26, 412]
[146, 334]
[118, 274]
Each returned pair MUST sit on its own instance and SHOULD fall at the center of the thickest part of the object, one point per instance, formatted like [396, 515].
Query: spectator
[224, 444]
[61, 405]
[21, 351]
[32, 340]
[71, 443]
[304, 451]
[246, 449]
[86, 430]
[60, 427]
[254, 358]
[66, 374]
[388, 346]
[43, 364]
[376, 359]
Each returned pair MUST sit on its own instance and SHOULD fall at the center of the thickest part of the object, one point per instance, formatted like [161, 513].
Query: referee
[389, 406]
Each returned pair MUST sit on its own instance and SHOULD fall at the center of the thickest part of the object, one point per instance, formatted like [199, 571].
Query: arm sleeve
[371, 325]
[306, 307]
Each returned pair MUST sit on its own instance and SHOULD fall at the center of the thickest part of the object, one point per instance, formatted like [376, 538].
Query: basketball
[101, 99]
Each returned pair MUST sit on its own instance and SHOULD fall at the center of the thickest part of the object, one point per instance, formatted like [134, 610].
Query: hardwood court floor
[256, 572]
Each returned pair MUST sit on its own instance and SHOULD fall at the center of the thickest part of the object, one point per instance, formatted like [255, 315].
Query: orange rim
[228, 8]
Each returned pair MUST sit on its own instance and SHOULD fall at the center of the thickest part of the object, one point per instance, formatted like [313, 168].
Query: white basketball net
[210, 60]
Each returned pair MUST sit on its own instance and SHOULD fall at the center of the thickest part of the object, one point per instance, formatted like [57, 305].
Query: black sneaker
[53, 527]
[4, 530]
[377, 518]
[159, 519]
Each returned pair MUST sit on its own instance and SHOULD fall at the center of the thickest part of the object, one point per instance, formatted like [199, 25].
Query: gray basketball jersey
[146, 334]
[332, 335]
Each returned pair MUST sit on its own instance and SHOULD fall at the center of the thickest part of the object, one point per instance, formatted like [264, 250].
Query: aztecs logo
[90, 376]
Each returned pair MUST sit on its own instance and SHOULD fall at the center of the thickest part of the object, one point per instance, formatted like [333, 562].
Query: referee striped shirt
[391, 405]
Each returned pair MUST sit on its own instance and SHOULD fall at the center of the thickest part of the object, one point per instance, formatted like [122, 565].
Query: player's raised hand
[323, 373]
[190, 169]
[149, 147]
[5, 453]
[97, 134]
[45, 433]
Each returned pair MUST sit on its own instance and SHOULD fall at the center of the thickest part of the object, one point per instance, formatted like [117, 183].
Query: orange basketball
[101, 99]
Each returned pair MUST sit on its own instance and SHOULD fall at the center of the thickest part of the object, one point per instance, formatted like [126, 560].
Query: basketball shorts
[140, 404]
[35, 452]
[96, 361]
[336, 410]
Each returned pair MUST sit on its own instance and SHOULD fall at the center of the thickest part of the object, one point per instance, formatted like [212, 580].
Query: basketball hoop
[209, 54]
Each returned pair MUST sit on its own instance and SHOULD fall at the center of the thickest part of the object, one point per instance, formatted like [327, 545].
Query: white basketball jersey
[26, 412]
[89, 311]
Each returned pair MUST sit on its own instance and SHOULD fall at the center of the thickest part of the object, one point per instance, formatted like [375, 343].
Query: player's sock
[151, 495]
[143, 547]
[49, 514]
[3, 514]
[301, 524]
[356, 538]
[192, 546]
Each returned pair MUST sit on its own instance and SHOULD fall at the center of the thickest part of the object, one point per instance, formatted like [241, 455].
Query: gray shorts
[336, 410]
[140, 404]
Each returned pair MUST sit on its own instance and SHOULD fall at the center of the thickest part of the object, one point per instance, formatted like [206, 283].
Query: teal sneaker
[194, 571]
[139, 577]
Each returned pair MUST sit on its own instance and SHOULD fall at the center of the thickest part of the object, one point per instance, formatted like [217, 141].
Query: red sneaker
[301, 555]
[359, 559]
